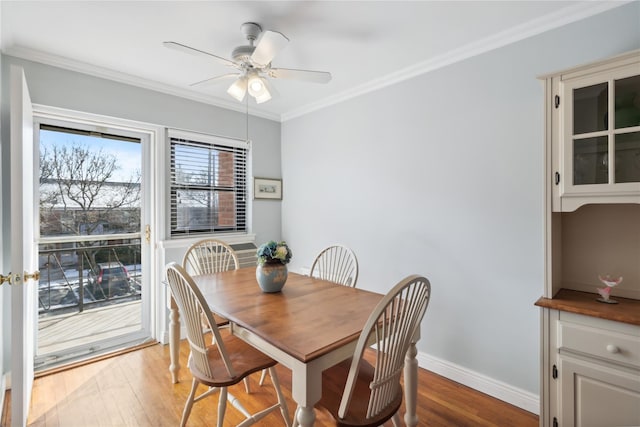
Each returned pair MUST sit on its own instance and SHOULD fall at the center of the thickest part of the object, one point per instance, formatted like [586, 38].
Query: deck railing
[81, 272]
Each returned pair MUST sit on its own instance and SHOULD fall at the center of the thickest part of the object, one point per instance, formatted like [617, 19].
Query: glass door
[93, 294]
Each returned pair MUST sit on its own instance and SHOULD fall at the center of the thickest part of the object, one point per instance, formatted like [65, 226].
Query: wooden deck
[57, 333]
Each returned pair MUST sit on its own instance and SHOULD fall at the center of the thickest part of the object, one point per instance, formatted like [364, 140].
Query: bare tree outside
[79, 195]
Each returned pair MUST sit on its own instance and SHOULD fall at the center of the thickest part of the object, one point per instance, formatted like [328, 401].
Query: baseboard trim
[3, 395]
[494, 388]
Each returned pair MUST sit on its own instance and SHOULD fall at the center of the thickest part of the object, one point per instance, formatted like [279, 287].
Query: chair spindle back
[336, 264]
[210, 256]
[393, 324]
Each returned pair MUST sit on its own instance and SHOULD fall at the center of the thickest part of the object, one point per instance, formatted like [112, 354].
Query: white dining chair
[337, 264]
[223, 363]
[357, 393]
[209, 256]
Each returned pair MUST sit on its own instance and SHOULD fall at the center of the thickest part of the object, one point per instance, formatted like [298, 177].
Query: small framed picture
[267, 188]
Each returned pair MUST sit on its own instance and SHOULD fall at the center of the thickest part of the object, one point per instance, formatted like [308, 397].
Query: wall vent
[246, 253]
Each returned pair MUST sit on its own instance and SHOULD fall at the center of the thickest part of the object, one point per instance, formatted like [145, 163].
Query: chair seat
[334, 380]
[244, 358]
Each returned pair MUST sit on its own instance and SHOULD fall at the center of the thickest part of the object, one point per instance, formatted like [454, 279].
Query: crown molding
[531, 28]
[117, 76]
[567, 15]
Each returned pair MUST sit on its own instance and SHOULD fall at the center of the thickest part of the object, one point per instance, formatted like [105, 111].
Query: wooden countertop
[626, 311]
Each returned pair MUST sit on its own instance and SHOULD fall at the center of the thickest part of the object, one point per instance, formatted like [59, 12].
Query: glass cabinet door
[590, 142]
[602, 132]
[627, 134]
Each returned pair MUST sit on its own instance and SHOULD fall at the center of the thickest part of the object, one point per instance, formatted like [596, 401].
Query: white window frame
[203, 138]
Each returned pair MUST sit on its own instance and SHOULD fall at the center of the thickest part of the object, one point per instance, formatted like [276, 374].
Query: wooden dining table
[311, 325]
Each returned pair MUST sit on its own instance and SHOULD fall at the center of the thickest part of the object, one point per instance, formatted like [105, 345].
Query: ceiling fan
[253, 64]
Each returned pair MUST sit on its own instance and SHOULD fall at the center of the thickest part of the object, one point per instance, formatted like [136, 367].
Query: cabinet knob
[613, 348]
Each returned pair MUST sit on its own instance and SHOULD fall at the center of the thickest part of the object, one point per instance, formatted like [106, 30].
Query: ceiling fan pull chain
[247, 118]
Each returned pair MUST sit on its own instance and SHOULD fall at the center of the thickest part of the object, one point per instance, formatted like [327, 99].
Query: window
[208, 184]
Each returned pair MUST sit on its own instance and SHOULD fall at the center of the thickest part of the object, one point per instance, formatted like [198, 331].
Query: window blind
[208, 184]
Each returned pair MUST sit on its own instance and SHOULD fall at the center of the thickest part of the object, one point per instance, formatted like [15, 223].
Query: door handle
[35, 275]
[14, 279]
[6, 279]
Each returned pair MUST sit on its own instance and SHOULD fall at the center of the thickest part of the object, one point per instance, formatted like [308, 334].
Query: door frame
[153, 135]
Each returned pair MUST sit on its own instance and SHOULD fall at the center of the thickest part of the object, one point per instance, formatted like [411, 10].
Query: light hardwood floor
[134, 389]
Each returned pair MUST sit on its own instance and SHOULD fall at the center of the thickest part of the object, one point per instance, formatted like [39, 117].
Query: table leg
[174, 341]
[306, 416]
[411, 385]
[306, 391]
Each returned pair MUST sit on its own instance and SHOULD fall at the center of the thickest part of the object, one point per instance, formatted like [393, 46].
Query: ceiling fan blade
[304, 75]
[192, 51]
[270, 43]
[216, 79]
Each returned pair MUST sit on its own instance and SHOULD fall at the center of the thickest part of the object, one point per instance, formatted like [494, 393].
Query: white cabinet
[598, 371]
[593, 120]
[590, 372]
[597, 396]
[590, 352]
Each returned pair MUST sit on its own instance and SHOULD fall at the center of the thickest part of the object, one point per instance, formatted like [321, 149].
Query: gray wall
[56, 87]
[442, 175]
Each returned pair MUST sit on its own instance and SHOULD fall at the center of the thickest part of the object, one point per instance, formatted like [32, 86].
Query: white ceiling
[365, 45]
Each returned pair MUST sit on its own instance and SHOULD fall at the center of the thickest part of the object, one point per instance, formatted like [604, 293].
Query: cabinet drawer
[601, 343]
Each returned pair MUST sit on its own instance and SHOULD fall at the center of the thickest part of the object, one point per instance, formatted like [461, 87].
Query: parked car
[110, 280]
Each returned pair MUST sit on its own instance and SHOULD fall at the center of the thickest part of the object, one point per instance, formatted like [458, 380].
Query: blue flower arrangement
[274, 251]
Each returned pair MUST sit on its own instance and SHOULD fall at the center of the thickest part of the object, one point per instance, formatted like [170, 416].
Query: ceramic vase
[271, 276]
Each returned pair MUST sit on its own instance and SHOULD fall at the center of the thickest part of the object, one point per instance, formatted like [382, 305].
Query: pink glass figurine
[606, 291]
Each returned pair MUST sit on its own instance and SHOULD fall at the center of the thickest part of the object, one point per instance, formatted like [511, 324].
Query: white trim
[117, 76]
[4, 386]
[56, 113]
[206, 137]
[567, 15]
[184, 242]
[534, 27]
[498, 389]
[153, 134]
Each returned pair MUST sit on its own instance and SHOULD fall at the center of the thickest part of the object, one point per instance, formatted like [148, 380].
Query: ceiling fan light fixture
[258, 88]
[238, 89]
[268, 93]
[263, 97]
[256, 85]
